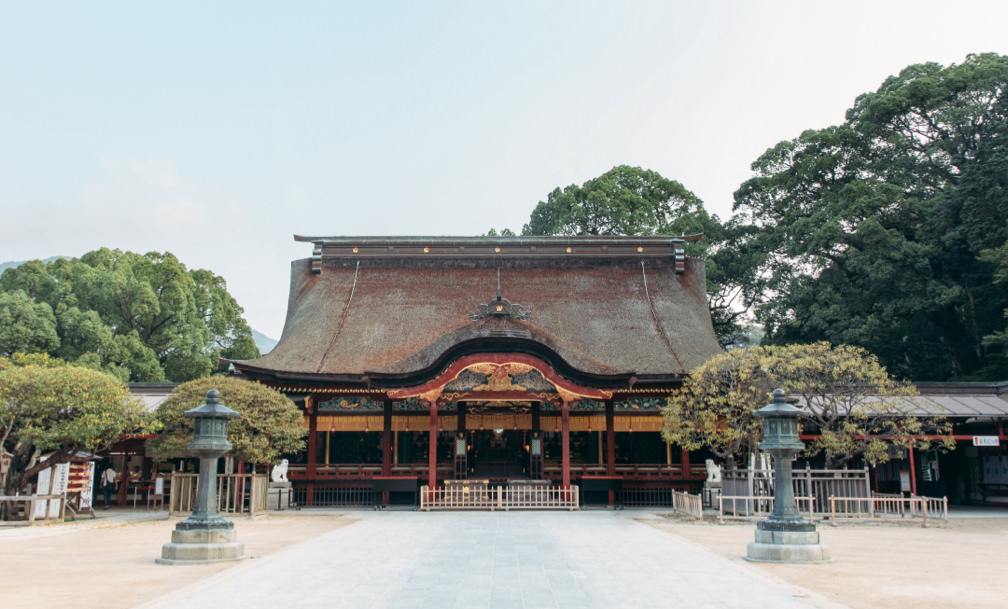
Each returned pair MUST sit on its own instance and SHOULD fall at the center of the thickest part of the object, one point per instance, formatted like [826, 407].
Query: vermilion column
[386, 461]
[565, 435]
[312, 448]
[432, 459]
[610, 430]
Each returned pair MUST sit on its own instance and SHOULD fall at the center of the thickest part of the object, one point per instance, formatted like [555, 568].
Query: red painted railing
[629, 472]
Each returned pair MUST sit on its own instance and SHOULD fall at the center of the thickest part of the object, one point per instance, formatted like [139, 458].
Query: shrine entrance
[499, 454]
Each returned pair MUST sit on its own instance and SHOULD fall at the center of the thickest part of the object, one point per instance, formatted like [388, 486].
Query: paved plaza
[487, 559]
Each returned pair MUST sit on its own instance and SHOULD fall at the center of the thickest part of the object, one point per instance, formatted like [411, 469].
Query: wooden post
[386, 441]
[536, 409]
[565, 435]
[312, 449]
[124, 477]
[462, 408]
[386, 438]
[432, 449]
[685, 471]
[913, 474]
[328, 445]
[610, 429]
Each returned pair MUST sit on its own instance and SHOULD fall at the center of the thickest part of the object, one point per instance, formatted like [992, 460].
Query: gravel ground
[883, 565]
[110, 562]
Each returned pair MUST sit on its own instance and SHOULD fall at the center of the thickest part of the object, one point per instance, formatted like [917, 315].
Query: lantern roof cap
[779, 407]
[212, 408]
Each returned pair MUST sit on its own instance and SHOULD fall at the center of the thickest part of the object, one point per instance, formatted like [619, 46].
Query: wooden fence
[746, 507]
[821, 484]
[485, 497]
[236, 493]
[690, 505]
[877, 507]
[885, 507]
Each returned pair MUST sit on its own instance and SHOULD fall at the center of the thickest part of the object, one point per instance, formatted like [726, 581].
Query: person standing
[108, 484]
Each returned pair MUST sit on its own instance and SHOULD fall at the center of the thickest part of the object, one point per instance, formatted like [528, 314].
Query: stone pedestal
[279, 496]
[787, 542]
[711, 494]
[201, 547]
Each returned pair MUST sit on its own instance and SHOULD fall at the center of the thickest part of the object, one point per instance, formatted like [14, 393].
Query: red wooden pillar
[565, 435]
[312, 449]
[685, 471]
[913, 474]
[124, 478]
[610, 429]
[432, 449]
[386, 439]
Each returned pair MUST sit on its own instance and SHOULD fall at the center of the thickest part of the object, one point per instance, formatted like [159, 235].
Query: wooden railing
[638, 472]
[878, 507]
[358, 471]
[33, 507]
[552, 470]
[690, 505]
[236, 493]
[807, 482]
[747, 507]
[481, 497]
[884, 507]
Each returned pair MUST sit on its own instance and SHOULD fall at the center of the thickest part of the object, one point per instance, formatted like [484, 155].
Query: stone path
[488, 560]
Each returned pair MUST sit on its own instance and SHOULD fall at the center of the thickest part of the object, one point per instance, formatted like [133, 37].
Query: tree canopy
[849, 399]
[870, 233]
[270, 425]
[142, 318]
[633, 201]
[47, 406]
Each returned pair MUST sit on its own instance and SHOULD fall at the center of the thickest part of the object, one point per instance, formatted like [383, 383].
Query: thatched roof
[388, 310]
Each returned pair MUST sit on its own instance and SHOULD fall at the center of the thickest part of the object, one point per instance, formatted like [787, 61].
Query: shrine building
[492, 358]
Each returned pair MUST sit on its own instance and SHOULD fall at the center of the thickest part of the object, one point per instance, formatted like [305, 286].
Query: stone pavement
[487, 559]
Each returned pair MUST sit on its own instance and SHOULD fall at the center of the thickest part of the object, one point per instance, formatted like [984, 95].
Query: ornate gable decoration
[503, 377]
[500, 307]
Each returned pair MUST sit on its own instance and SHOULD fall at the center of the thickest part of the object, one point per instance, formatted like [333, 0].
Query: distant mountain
[264, 342]
[15, 263]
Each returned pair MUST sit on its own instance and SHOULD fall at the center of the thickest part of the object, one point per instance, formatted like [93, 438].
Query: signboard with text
[986, 441]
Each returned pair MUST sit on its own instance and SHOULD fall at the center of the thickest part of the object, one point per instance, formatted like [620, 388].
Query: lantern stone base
[787, 542]
[201, 547]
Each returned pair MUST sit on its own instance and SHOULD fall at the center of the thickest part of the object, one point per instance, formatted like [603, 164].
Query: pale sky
[216, 131]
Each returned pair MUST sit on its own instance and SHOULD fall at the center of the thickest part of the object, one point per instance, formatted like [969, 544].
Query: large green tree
[869, 233]
[49, 407]
[26, 325]
[852, 405]
[270, 425]
[633, 201]
[139, 317]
